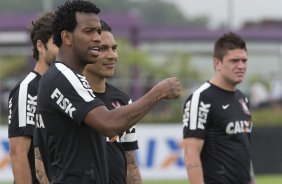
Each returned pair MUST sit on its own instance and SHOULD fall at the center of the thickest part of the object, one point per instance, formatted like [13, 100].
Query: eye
[114, 48]
[103, 48]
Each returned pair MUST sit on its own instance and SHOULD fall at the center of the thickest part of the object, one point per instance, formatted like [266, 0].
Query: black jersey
[22, 110]
[77, 152]
[114, 98]
[223, 120]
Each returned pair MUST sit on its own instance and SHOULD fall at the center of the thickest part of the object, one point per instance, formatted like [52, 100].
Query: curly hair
[41, 29]
[65, 17]
[228, 41]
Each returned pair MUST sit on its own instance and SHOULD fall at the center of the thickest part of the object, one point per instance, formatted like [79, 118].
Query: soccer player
[23, 102]
[120, 148]
[76, 122]
[217, 120]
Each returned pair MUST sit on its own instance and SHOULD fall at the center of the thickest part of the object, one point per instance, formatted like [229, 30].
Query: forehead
[107, 38]
[237, 53]
[87, 19]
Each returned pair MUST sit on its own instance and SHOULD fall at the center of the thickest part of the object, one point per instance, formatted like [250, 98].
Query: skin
[228, 73]
[97, 74]
[77, 49]
[231, 70]
[109, 123]
[47, 55]
[19, 146]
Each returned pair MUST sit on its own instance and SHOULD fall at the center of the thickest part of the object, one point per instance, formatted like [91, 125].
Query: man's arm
[133, 173]
[192, 151]
[39, 167]
[116, 121]
[19, 147]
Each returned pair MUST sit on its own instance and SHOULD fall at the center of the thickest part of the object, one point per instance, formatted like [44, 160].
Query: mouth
[110, 65]
[95, 50]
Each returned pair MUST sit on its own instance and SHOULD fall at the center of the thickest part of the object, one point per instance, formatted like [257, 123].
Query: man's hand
[169, 88]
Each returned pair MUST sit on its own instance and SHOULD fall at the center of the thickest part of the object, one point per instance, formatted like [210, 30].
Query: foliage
[11, 66]
[267, 117]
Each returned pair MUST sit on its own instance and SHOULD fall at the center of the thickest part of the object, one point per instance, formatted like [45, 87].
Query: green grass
[260, 179]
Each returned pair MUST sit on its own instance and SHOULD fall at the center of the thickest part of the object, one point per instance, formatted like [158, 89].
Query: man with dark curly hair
[75, 120]
[23, 102]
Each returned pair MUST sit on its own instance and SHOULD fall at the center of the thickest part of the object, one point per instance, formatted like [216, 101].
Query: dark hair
[228, 41]
[65, 17]
[41, 29]
[105, 26]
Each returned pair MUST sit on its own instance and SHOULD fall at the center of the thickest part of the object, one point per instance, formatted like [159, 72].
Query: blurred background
[159, 39]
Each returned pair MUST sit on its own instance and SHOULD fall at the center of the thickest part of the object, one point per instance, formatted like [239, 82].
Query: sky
[220, 12]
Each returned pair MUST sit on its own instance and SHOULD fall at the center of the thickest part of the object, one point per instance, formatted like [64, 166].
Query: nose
[112, 54]
[242, 64]
[96, 37]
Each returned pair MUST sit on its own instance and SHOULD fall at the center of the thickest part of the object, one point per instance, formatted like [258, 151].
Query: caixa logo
[4, 157]
[160, 154]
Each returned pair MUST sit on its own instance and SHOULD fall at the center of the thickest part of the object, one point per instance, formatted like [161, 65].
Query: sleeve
[71, 95]
[196, 116]
[129, 138]
[22, 110]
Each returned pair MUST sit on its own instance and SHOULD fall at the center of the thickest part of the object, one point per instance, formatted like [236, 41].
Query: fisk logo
[10, 110]
[203, 114]
[31, 109]
[186, 114]
[86, 85]
[63, 102]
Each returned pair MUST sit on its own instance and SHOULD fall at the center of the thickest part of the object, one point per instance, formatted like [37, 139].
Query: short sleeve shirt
[22, 112]
[77, 152]
[223, 120]
[115, 98]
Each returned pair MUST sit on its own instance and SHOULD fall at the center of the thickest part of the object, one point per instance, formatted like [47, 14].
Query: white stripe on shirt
[194, 106]
[22, 101]
[75, 82]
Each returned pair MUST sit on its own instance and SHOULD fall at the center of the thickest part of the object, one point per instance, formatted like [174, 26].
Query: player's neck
[97, 84]
[222, 84]
[68, 59]
[41, 67]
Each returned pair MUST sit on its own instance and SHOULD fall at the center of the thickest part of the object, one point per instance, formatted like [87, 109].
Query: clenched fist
[169, 88]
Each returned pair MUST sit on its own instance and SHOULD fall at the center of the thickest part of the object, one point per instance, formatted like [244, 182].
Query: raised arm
[114, 122]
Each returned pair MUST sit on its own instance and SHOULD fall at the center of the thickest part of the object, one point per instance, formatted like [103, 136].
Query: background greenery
[133, 61]
[263, 179]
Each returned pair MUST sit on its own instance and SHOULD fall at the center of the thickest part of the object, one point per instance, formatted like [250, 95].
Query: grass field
[261, 179]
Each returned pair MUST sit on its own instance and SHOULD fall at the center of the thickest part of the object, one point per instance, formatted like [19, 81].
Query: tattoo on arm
[135, 117]
[39, 167]
[133, 173]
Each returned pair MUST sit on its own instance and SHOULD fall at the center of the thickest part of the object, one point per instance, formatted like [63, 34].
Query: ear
[66, 37]
[216, 63]
[40, 46]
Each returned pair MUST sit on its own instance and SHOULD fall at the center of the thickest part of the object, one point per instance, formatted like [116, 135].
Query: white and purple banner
[160, 154]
